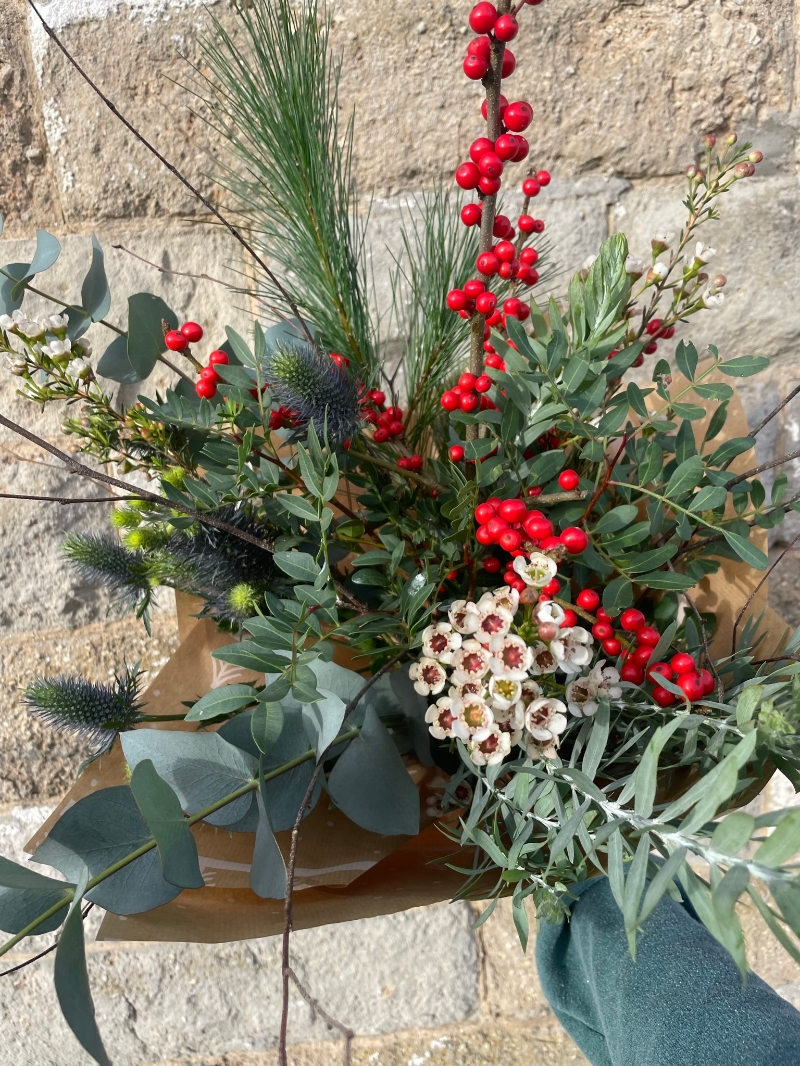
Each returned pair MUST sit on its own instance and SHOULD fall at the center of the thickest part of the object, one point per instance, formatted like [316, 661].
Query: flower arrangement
[492, 561]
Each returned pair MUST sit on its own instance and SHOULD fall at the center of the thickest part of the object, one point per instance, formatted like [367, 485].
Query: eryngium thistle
[92, 710]
[315, 388]
[101, 558]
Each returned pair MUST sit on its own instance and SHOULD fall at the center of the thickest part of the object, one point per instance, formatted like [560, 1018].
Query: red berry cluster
[655, 328]
[510, 525]
[206, 387]
[469, 394]
[283, 418]
[504, 258]
[178, 340]
[695, 684]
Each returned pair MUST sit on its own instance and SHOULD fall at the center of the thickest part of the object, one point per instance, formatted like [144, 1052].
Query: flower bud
[634, 266]
[744, 170]
[702, 277]
[756, 157]
[709, 140]
[731, 140]
[547, 631]
[720, 281]
[693, 171]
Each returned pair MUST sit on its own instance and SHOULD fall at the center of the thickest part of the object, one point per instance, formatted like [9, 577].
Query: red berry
[475, 67]
[468, 176]
[552, 588]
[509, 65]
[682, 663]
[631, 620]
[483, 384]
[404, 463]
[378, 397]
[506, 28]
[570, 619]
[483, 17]
[176, 341]
[574, 540]
[692, 686]
[632, 672]
[602, 630]
[474, 287]
[394, 413]
[467, 381]
[611, 646]
[512, 306]
[530, 187]
[529, 256]
[510, 540]
[549, 543]
[495, 527]
[449, 401]
[217, 357]
[489, 186]
[456, 453]
[416, 462]
[341, 360]
[486, 303]
[502, 226]
[492, 565]
[588, 599]
[471, 214]
[483, 536]
[479, 148]
[480, 46]
[653, 326]
[506, 146]
[487, 264]
[207, 390]
[505, 251]
[469, 402]
[490, 165]
[533, 490]
[655, 671]
[502, 109]
[494, 361]
[518, 116]
[456, 300]
[603, 615]
[208, 373]
[522, 149]
[709, 684]
[381, 435]
[648, 635]
[525, 223]
[192, 331]
[512, 510]
[395, 429]
[538, 226]
[663, 697]
[543, 177]
[650, 348]
[484, 513]
[568, 480]
[643, 654]
[538, 528]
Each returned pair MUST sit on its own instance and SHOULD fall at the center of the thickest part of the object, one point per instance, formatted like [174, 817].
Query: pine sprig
[272, 94]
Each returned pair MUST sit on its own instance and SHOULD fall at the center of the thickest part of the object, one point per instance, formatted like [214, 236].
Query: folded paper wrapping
[343, 871]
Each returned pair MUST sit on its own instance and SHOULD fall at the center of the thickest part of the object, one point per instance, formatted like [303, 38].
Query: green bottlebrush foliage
[91, 709]
[315, 389]
[272, 93]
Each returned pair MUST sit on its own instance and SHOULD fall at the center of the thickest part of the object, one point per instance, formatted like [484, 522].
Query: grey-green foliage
[271, 90]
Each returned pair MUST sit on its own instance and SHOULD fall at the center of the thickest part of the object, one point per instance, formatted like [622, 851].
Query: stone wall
[623, 90]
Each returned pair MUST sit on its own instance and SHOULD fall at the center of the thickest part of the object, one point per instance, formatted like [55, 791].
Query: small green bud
[176, 477]
[124, 518]
[243, 600]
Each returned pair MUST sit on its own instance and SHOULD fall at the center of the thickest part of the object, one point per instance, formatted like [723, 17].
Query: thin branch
[61, 303]
[41, 955]
[764, 466]
[178, 273]
[163, 359]
[348, 1034]
[290, 871]
[754, 593]
[767, 418]
[234, 232]
[66, 499]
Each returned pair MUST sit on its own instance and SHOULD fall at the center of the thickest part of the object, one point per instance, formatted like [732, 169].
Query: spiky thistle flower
[315, 388]
[101, 558]
[91, 709]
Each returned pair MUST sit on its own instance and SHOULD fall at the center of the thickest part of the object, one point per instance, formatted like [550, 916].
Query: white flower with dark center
[55, 349]
[511, 722]
[634, 266]
[503, 692]
[531, 691]
[474, 713]
[55, 322]
[494, 622]
[468, 688]
[14, 320]
[31, 330]
[548, 612]
[536, 570]
[545, 719]
[443, 723]
[464, 616]
[607, 680]
[665, 237]
[504, 597]
[571, 649]
[489, 746]
[79, 368]
[543, 661]
[545, 749]
[511, 657]
[470, 662]
[582, 697]
[659, 270]
[440, 642]
[713, 299]
[429, 677]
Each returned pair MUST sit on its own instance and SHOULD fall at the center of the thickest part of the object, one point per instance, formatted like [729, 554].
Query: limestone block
[511, 988]
[175, 1001]
[26, 178]
[36, 762]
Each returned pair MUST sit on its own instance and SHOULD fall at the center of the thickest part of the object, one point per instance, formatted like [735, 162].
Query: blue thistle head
[92, 710]
[315, 389]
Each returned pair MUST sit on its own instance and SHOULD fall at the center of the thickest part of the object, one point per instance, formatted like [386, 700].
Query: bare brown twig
[754, 593]
[66, 499]
[767, 419]
[42, 954]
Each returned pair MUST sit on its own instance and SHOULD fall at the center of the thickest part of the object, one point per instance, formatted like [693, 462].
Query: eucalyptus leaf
[161, 809]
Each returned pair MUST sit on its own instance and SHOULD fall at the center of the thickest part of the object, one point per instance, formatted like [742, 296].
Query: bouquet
[518, 564]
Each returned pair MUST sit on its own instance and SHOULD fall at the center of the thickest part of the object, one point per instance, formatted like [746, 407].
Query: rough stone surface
[173, 1001]
[35, 761]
